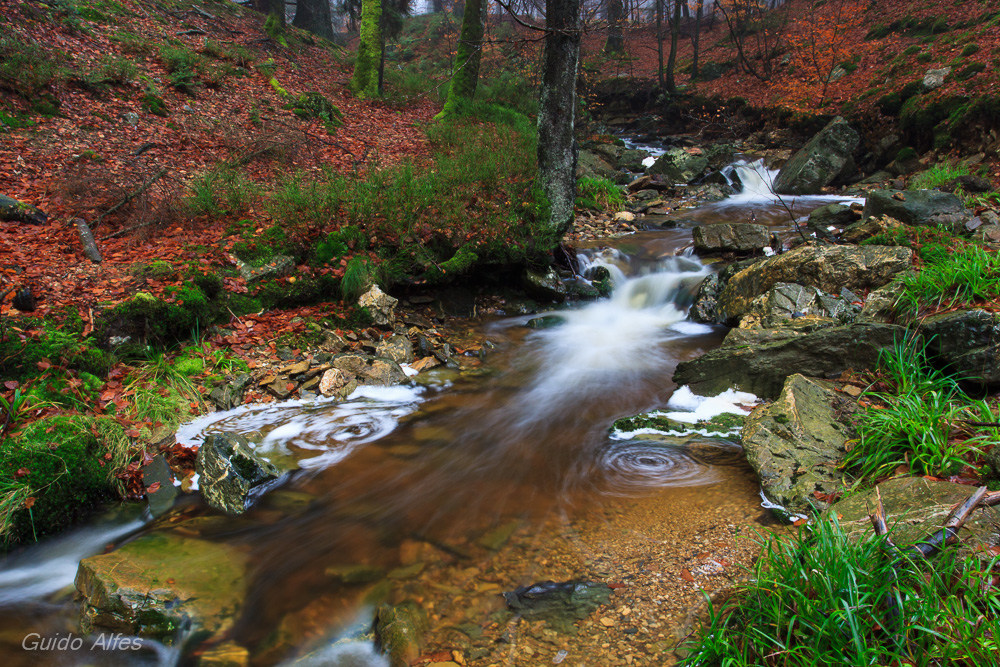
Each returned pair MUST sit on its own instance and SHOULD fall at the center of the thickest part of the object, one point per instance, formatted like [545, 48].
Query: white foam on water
[689, 328]
[688, 407]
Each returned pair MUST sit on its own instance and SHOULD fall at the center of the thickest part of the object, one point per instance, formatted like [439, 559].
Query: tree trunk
[364, 83]
[675, 31]
[696, 38]
[556, 110]
[616, 41]
[314, 16]
[659, 41]
[438, 6]
[467, 58]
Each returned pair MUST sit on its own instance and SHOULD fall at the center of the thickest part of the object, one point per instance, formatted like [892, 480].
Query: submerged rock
[736, 237]
[558, 604]
[918, 207]
[400, 631]
[380, 306]
[820, 162]
[829, 268]
[761, 366]
[795, 443]
[161, 584]
[230, 471]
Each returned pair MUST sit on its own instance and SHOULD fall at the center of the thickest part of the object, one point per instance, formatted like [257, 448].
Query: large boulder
[819, 163]
[704, 308]
[593, 165]
[829, 268]
[968, 343]
[826, 220]
[230, 472]
[396, 347]
[162, 585]
[679, 166]
[918, 207]
[761, 364]
[731, 237]
[914, 507]
[795, 443]
[786, 301]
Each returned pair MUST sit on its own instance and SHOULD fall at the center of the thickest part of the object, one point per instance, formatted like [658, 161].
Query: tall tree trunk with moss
[315, 17]
[696, 38]
[615, 43]
[468, 55]
[659, 41]
[557, 152]
[675, 32]
[365, 82]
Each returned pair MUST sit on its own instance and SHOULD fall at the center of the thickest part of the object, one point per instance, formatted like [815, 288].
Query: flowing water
[430, 480]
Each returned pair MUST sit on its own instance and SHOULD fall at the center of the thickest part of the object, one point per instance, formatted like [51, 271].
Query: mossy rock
[162, 584]
[723, 425]
[61, 463]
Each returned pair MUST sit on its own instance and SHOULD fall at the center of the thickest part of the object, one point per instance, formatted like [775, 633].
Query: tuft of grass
[599, 194]
[222, 190]
[937, 175]
[359, 275]
[965, 275]
[822, 597]
[182, 67]
[27, 68]
[916, 423]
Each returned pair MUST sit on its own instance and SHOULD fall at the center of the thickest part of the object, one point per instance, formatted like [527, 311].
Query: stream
[463, 485]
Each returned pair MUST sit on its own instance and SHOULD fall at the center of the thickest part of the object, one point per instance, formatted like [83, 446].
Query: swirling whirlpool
[635, 466]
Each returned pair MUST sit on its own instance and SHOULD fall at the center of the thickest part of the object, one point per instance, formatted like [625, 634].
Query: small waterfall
[752, 181]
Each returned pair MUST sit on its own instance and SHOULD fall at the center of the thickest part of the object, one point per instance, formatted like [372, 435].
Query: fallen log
[90, 249]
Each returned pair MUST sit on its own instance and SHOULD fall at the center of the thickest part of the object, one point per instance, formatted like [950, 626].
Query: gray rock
[720, 155]
[158, 481]
[380, 305]
[875, 226]
[679, 166]
[760, 366]
[545, 322]
[879, 306]
[558, 604]
[163, 585]
[396, 347]
[989, 234]
[830, 268]
[544, 285]
[230, 394]
[631, 160]
[917, 207]
[706, 300]
[914, 507]
[731, 237]
[786, 301]
[968, 343]
[370, 370]
[131, 118]
[592, 165]
[280, 266]
[831, 215]
[336, 382]
[934, 78]
[820, 162]
[230, 472]
[795, 443]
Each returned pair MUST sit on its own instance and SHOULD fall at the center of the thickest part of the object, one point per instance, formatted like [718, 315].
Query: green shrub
[109, 70]
[222, 190]
[27, 68]
[970, 49]
[823, 597]
[182, 65]
[599, 194]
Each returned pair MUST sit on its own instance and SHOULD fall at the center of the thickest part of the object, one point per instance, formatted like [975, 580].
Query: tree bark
[696, 38]
[365, 82]
[438, 6]
[659, 42]
[616, 40]
[557, 152]
[675, 31]
[468, 55]
[314, 16]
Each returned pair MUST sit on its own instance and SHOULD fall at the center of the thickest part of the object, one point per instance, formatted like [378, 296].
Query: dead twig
[142, 188]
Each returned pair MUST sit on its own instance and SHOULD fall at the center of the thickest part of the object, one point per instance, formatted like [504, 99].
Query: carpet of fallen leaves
[104, 145]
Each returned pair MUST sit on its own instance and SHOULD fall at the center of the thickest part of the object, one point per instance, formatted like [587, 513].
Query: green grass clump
[359, 274]
[966, 275]
[917, 422]
[182, 67]
[222, 190]
[110, 70]
[599, 194]
[824, 598]
[25, 67]
[937, 175]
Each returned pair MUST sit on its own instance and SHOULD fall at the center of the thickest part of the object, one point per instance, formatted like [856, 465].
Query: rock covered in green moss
[725, 424]
[163, 583]
[12, 210]
[796, 443]
[230, 470]
[400, 631]
[827, 157]
[59, 462]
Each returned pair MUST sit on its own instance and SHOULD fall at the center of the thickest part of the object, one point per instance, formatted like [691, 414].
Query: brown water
[469, 484]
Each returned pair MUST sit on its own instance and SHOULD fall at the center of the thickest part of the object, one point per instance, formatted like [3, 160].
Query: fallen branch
[198, 10]
[894, 606]
[142, 188]
[192, 31]
[949, 533]
[90, 249]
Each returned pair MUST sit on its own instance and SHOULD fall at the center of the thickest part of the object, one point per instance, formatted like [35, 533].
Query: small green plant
[25, 67]
[937, 176]
[970, 49]
[358, 277]
[911, 50]
[599, 194]
[13, 410]
[966, 275]
[222, 190]
[182, 66]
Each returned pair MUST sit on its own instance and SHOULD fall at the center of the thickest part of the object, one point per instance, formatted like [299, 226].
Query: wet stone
[158, 482]
[559, 604]
[231, 471]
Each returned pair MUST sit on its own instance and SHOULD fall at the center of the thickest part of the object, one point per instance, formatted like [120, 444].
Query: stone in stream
[380, 306]
[396, 347]
[795, 443]
[230, 394]
[161, 584]
[400, 632]
[735, 237]
[369, 369]
[336, 382]
[827, 157]
[837, 216]
[544, 285]
[918, 207]
[722, 425]
[830, 268]
[545, 322]
[158, 482]
[915, 507]
[679, 166]
[760, 365]
[230, 472]
[558, 604]
[787, 301]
